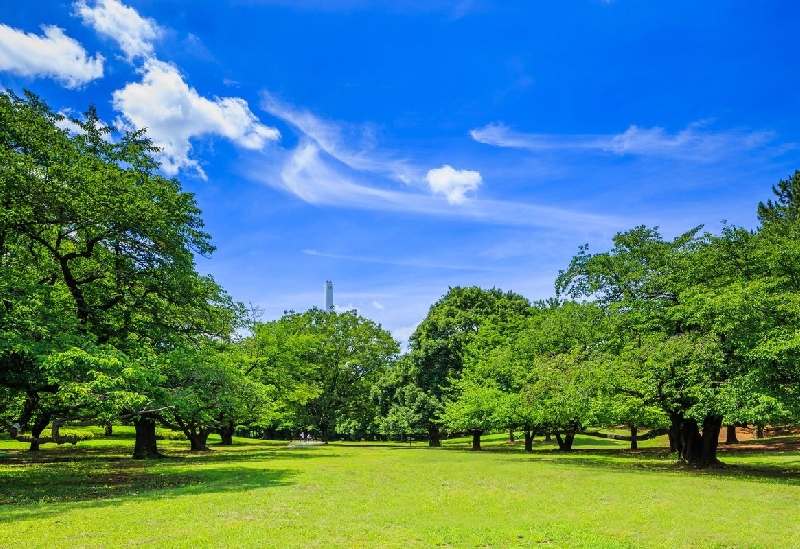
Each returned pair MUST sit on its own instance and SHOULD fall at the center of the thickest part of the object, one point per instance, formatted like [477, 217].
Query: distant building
[329, 296]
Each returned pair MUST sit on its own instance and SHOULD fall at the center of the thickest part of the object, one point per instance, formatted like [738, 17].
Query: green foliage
[323, 366]
[169, 434]
[97, 274]
[77, 435]
[440, 346]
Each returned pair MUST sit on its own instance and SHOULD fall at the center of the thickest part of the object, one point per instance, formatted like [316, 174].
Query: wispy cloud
[112, 19]
[401, 262]
[694, 142]
[52, 55]
[306, 173]
[351, 144]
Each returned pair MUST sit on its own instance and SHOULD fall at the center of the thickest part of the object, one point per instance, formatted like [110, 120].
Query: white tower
[329, 296]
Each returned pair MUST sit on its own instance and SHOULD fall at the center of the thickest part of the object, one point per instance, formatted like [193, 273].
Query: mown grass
[265, 494]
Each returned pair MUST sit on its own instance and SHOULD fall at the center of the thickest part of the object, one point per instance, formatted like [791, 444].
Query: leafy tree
[694, 318]
[102, 245]
[439, 344]
[402, 408]
[326, 363]
[203, 389]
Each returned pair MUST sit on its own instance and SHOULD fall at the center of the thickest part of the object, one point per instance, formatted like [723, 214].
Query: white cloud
[174, 113]
[113, 19]
[453, 184]
[377, 305]
[692, 143]
[54, 55]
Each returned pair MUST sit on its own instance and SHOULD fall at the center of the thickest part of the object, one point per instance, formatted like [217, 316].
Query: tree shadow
[100, 486]
[95, 475]
[661, 460]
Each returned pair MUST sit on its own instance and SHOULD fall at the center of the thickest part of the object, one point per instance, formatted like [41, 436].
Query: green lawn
[265, 494]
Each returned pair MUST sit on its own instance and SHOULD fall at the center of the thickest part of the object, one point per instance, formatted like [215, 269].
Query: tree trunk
[634, 442]
[730, 436]
[547, 438]
[675, 432]
[323, 427]
[759, 431]
[434, 440]
[197, 439]
[565, 443]
[696, 448]
[528, 441]
[226, 434]
[511, 434]
[109, 430]
[36, 431]
[476, 439]
[145, 446]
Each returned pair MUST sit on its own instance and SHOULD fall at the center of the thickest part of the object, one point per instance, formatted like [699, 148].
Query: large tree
[707, 322]
[101, 243]
[325, 364]
[439, 344]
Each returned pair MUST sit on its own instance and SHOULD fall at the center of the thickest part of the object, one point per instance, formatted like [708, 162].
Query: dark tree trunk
[323, 427]
[434, 440]
[528, 441]
[476, 439]
[730, 436]
[759, 431]
[696, 448]
[109, 430]
[634, 442]
[511, 434]
[36, 431]
[197, 439]
[226, 434]
[565, 442]
[674, 433]
[547, 438]
[146, 446]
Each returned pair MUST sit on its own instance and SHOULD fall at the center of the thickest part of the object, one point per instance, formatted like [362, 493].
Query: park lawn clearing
[264, 494]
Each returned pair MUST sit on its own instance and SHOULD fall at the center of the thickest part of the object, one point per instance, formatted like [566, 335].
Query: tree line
[105, 319]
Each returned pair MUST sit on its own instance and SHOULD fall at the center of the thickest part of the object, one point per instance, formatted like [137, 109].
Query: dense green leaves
[324, 366]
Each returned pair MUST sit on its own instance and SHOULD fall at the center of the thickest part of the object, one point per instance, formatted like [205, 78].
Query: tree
[326, 363]
[203, 389]
[402, 408]
[439, 344]
[696, 317]
[108, 245]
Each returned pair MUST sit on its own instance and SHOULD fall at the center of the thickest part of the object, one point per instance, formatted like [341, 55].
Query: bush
[167, 434]
[75, 434]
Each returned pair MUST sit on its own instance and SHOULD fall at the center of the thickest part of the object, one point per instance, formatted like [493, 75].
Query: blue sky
[400, 148]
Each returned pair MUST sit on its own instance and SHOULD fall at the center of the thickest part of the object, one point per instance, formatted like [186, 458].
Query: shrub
[167, 434]
[75, 434]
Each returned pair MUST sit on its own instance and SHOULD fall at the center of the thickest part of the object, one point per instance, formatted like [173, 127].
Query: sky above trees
[400, 148]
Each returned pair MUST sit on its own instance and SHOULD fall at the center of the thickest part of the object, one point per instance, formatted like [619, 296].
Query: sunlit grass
[265, 494]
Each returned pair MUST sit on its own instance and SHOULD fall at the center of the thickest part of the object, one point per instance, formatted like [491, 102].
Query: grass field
[264, 494]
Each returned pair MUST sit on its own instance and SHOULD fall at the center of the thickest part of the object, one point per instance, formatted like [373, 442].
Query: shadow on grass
[93, 474]
[93, 482]
[660, 460]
